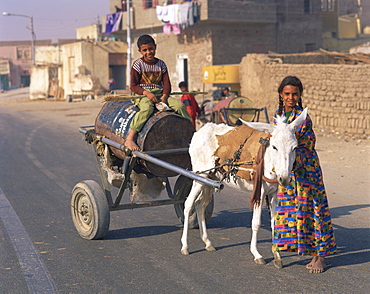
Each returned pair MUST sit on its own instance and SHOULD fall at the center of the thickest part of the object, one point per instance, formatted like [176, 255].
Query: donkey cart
[164, 142]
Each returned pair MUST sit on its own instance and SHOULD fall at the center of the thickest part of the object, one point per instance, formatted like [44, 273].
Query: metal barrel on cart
[163, 131]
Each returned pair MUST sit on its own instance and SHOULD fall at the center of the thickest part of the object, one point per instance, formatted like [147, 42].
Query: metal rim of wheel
[182, 188]
[90, 210]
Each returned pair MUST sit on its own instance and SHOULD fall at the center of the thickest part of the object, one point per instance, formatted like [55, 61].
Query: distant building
[83, 66]
[344, 24]
[17, 55]
[66, 67]
[220, 32]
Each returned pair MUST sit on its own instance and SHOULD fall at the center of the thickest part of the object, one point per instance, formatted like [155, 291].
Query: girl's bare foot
[318, 266]
[309, 265]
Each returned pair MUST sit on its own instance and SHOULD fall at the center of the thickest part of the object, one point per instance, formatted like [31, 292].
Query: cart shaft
[161, 163]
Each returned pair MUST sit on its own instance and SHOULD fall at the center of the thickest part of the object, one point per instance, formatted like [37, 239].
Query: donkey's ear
[300, 120]
[262, 127]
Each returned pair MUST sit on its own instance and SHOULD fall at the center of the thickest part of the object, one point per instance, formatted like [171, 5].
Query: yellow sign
[4, 67]
[221, 74]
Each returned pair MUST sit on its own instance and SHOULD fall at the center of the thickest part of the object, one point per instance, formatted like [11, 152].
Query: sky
[52, 19]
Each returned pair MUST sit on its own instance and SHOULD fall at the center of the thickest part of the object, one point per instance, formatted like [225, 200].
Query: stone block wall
[337, 95]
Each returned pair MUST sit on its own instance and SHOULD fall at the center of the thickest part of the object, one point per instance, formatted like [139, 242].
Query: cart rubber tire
[69, 98]
[89, 97]
[90, 210]
[182, 187]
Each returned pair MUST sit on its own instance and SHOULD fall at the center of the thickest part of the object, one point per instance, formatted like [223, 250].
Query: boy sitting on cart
[149, 77]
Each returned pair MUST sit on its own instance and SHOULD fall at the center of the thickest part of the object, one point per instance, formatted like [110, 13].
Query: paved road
[43, 156]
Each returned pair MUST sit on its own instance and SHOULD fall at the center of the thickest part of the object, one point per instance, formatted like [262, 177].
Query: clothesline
[177, 17]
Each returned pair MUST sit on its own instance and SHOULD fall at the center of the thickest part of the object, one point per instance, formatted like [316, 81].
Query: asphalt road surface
[43, 156]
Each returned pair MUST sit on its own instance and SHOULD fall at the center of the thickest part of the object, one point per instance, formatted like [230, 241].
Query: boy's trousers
[146, 107]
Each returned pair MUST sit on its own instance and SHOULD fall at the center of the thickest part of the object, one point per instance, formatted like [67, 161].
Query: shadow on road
[353, 243]
[139, 232]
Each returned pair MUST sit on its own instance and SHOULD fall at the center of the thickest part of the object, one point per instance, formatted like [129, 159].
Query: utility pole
[33, 35]
[129, 57]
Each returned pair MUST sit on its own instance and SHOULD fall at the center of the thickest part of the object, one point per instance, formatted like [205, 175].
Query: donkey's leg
[277, 258]
[256, 223]
[195, 191]
[200, 209]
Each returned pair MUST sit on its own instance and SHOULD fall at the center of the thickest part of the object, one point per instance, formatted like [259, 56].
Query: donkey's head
[283, 142]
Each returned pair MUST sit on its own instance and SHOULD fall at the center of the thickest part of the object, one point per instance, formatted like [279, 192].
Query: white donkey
[278, 163]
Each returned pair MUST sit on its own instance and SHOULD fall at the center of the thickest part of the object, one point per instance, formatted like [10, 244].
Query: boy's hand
[151, 96]
[164, 98]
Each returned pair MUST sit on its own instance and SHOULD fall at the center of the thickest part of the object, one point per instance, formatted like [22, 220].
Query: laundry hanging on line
[176, 17]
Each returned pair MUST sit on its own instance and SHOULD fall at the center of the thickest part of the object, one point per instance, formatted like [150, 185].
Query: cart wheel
[182, 190]
[69, 98]
[90, 210]
[90, 97]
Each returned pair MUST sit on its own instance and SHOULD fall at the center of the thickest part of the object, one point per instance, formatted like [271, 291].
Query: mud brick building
[336, 88]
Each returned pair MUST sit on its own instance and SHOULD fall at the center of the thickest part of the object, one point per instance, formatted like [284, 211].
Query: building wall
[342, 45]
[257, 11]
[20, 65]
[337, 95]
[39, 86]
[227, 31]
[230, 42]
[195, 43]
[297, 30]
[365, 13]
[349, 6]
[89, 32]
[85, 67]
[48, 55]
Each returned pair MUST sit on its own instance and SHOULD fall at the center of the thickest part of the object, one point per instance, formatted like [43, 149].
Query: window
[324, 5]
[327, 5]
[310, 47]
[71, 64]
[331, 4]
[27, 54]
[149, 3]
[124, 5]
[19, 54]
[307, 6]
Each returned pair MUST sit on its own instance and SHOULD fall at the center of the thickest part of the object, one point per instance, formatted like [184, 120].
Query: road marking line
[38, 164]
[34, 270]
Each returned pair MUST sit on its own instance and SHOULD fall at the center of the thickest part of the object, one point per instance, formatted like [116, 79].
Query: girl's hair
[145, 39]
[290, 81]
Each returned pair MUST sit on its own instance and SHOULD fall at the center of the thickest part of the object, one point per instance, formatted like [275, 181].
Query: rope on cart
[93, 138]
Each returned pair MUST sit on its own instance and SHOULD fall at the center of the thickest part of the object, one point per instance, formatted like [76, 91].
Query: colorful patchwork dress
[302, 221]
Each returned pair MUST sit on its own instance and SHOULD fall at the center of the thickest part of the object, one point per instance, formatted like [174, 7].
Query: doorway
[4, 82]
[182, 68]
[118, 73]
[25, 81]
